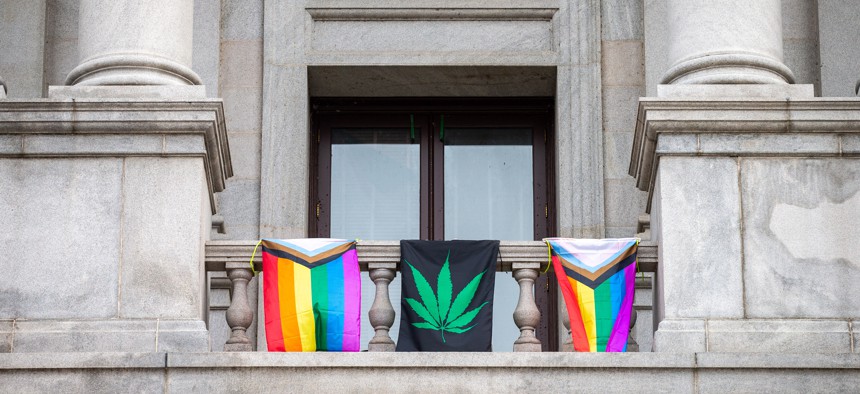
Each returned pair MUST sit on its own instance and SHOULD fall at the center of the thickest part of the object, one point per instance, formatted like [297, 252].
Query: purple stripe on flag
[352, 302]
[618, 339]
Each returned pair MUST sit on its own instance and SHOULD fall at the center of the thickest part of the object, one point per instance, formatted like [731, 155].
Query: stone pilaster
[726, 42]
[123, 195]
[128, 42]
[753, 202]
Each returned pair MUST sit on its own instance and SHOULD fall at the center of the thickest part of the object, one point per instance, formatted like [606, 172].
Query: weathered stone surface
[800, 220]
[622, 63]
[6, 335]
[241, 20]
[23, 32]
[680, 336]
[624, 203]
[191, 144]
[435, 36]
[283, 210]
[242, 108]
[855, 329]
[182, 336]
[239, 205]
[73, 144]
[245, 149]
[837, 24]
[36, 336]
[701, 243]
[656, 45]
[415, 372]
[622, 20]
[93, 360]
[786, 380]
[206, 44]
[779, 336]
[800, 41]
[242, 63]
[769, 144]
[620, 104]
[82, 380]
[742, 92]
[167, 92]
[61, 40]
[617, 146]
[11, 144]
[76, 276]
[162, 270]
[677, 143]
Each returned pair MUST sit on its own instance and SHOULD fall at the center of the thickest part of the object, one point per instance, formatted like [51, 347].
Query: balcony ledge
[422, 372]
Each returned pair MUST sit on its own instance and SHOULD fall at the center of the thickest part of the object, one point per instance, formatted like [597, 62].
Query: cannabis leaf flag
[447, 295]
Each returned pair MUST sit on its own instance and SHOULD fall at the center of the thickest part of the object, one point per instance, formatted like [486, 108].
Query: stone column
[726, 42]
[125, 42]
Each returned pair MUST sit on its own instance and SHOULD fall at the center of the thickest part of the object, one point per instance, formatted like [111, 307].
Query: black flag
[447, 295]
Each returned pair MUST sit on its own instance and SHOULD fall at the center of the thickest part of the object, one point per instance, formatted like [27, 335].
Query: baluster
[239, 315]
[567, 338]
[381, 313]
[527, 314]
[632, 345]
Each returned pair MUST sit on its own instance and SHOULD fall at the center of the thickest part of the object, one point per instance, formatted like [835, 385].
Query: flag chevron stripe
[309, 262]
[567, 251]
[307, 246]
[594, 283]
[284, 252]
[592, 274]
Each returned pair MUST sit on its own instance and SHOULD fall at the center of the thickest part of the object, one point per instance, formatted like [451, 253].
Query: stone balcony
[526, 260]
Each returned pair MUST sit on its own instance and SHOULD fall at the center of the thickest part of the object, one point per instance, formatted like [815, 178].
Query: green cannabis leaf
[438, 312]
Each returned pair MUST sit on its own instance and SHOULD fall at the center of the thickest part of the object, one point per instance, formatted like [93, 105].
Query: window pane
[489, 195]
[375, 187]
[375, 184]
[488, 184]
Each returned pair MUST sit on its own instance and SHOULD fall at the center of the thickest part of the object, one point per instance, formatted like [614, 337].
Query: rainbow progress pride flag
[311, 295]
[597, 279]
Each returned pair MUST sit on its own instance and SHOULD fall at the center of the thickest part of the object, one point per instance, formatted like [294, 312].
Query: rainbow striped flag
[311, 295]
[597, 279]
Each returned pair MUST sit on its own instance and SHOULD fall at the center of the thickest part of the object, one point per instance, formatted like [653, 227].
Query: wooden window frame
[534, 113]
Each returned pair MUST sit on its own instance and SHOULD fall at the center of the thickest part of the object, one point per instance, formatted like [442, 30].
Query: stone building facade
[146, 146]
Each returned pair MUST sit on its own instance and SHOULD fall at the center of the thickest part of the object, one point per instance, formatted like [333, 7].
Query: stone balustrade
[525, 259]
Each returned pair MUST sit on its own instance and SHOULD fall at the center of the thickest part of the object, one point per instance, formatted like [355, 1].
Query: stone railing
[524, 259]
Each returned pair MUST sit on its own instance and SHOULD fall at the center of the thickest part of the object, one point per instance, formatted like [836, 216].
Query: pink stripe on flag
[352, 302]
[618, 338]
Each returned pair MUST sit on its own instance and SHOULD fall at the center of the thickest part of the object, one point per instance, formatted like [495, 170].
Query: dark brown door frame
[426, 115]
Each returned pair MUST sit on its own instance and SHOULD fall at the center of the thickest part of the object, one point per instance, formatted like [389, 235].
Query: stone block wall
[240, 84]
[623, 82]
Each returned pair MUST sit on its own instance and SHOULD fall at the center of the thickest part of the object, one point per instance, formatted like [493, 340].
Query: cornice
[755, 127]
[118, 128]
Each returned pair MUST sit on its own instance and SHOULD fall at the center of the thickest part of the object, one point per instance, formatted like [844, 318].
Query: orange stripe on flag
[287, 300]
